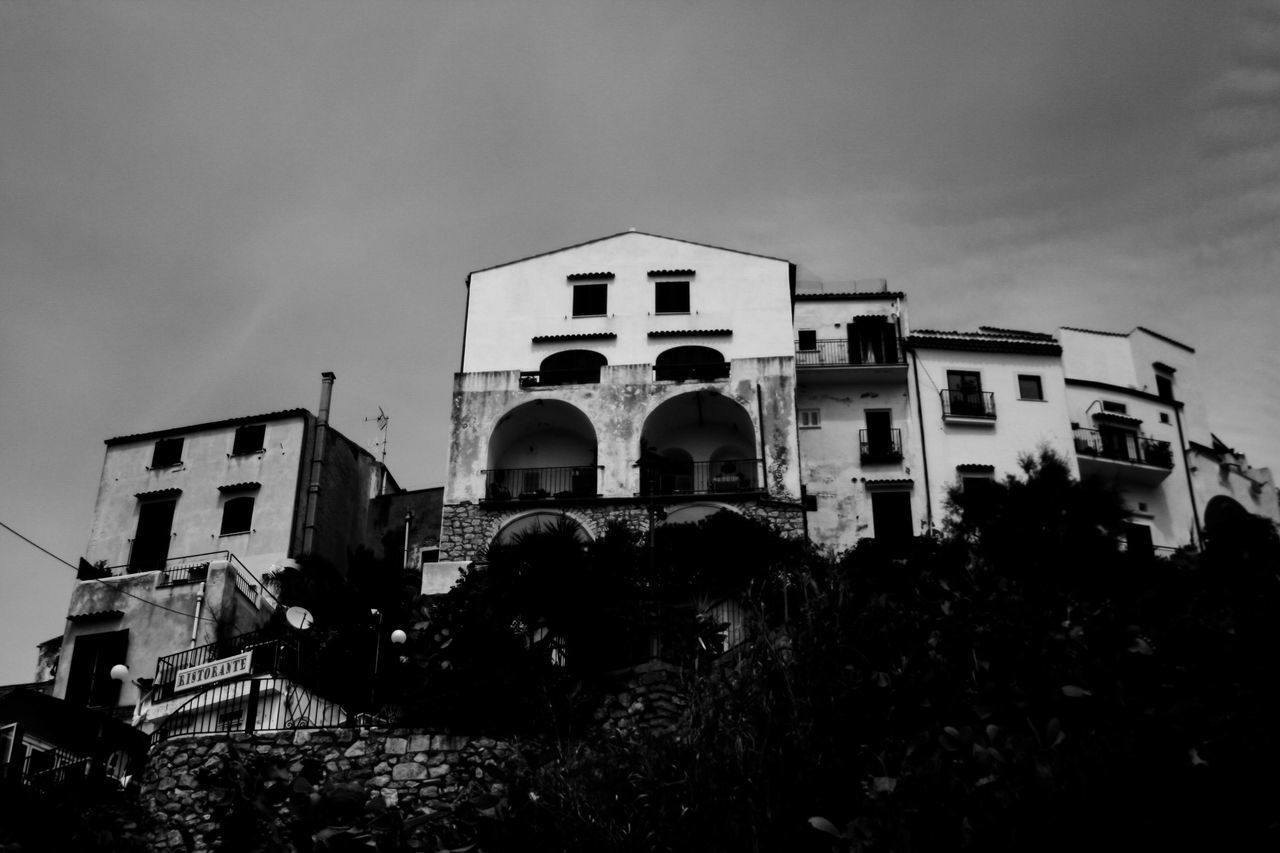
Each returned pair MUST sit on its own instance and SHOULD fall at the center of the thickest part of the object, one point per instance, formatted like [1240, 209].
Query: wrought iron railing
[666, 477]
[569, 481]
[700, 372]
[564, 376]
[1122, 446]
[271, 653]
[836, 353]
[252, 705]
[880, 445]
[968, 404]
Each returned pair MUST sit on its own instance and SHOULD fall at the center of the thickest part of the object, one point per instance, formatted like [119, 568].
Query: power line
[146, 601]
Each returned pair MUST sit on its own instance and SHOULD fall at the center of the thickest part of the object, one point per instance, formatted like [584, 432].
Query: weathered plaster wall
[417, 772]
[349, 479]
[155, 631]
[617, 408]
[207, 463]
[509, 305]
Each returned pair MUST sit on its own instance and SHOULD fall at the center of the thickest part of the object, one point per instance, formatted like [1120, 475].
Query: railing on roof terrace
[669, 477]
[568, 481]
[835, 353]
[192, 568]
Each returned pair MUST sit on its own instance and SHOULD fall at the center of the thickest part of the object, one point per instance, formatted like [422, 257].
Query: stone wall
[422, 776]
[466, 528]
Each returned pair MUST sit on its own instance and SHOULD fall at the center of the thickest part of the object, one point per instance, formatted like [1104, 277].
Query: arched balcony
[697, 444]
[699, 364]
[570, 367]
[542, 450]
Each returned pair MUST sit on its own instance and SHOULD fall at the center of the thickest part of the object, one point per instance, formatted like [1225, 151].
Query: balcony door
[964, 390]
[879, 433]
[872, 340]
[1119, 444]
[151, 542]
[891, 515]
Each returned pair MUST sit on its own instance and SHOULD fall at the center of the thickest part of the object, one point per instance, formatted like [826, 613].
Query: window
[1114, 407]
[810, 501]
[1137, 540]
[1164, 387]
[964, 396]
[151, 541]
[891, 515]
[1029, 387]
[249, 439]
[237, 515]
[808, 340]
[590, 300]
[1164, 417]
[92, 656]
[810, 418]
[974, 482]
[168, 453]
[873, 340]
[671, 297]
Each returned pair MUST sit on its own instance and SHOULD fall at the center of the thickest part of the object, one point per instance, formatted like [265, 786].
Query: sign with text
[207, 673]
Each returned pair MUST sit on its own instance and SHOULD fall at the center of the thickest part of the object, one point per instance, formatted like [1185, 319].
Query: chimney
[326, 393]
[317, 464]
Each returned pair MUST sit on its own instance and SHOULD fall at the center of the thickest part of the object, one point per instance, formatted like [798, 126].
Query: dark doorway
[151, 542]
[891, 514]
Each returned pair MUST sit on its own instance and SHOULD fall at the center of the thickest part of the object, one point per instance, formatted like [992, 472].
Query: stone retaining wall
[190, 781]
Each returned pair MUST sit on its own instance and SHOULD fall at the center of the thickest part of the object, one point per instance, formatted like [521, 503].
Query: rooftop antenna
[382, 420]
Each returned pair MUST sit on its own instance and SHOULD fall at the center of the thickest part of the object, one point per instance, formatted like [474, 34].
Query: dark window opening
[237, 515]
[975, 483]
[873, 340]
[698, 363]
[249, 439]
[1030, 387]
[1137, 540]
[810, 501]
[1164, 417]
[1115, 408]
[808, 340]
[1164, 387]
[168, 452]
[881, 442]
[571, 367]
[151, 541]
[964, 394]
[590, 300]
[89, 681]
[671, 297]
[891, 514]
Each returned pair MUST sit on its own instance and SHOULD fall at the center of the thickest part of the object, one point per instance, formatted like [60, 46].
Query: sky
[205, 205]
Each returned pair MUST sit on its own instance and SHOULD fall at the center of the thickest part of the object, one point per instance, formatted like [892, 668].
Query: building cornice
[1120, 389]
[283, 415]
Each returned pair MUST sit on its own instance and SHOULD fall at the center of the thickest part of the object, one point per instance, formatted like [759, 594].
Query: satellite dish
[299, 617]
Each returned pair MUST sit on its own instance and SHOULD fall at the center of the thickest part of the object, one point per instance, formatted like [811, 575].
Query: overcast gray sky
[204, 205]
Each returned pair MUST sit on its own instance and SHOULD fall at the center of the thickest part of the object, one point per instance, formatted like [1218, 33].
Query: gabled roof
[1154, 334]
[622, 234]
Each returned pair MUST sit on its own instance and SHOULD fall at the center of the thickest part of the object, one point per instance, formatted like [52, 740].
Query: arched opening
[698, 443]
[541, 521]
[570, 367]
[539, 450]
[700, 364]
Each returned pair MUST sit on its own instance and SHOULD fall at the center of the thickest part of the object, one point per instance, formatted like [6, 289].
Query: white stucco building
[619, 378]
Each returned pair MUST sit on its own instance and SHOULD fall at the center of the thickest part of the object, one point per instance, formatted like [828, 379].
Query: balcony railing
[880, 445]
[192, 568]
[835, 353]
[569, 376]
[250, 705]
[968, 404]
[700, 478]
[571, 481]
[271, 653]
[703, 372]
[1124, 447]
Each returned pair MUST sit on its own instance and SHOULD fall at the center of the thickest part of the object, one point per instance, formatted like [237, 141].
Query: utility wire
[146, 601]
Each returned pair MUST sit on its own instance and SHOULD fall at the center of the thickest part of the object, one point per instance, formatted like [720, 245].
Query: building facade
[637, 378]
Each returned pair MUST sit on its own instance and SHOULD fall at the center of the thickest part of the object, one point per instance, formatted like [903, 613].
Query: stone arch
[706, 428]
[695, 511]
[536, 519]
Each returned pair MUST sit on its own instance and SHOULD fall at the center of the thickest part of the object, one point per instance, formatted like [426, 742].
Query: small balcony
[1124, 454]
[669, 477]
[836, 361]
[534, 484]
[880, 446]
[968, 406]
